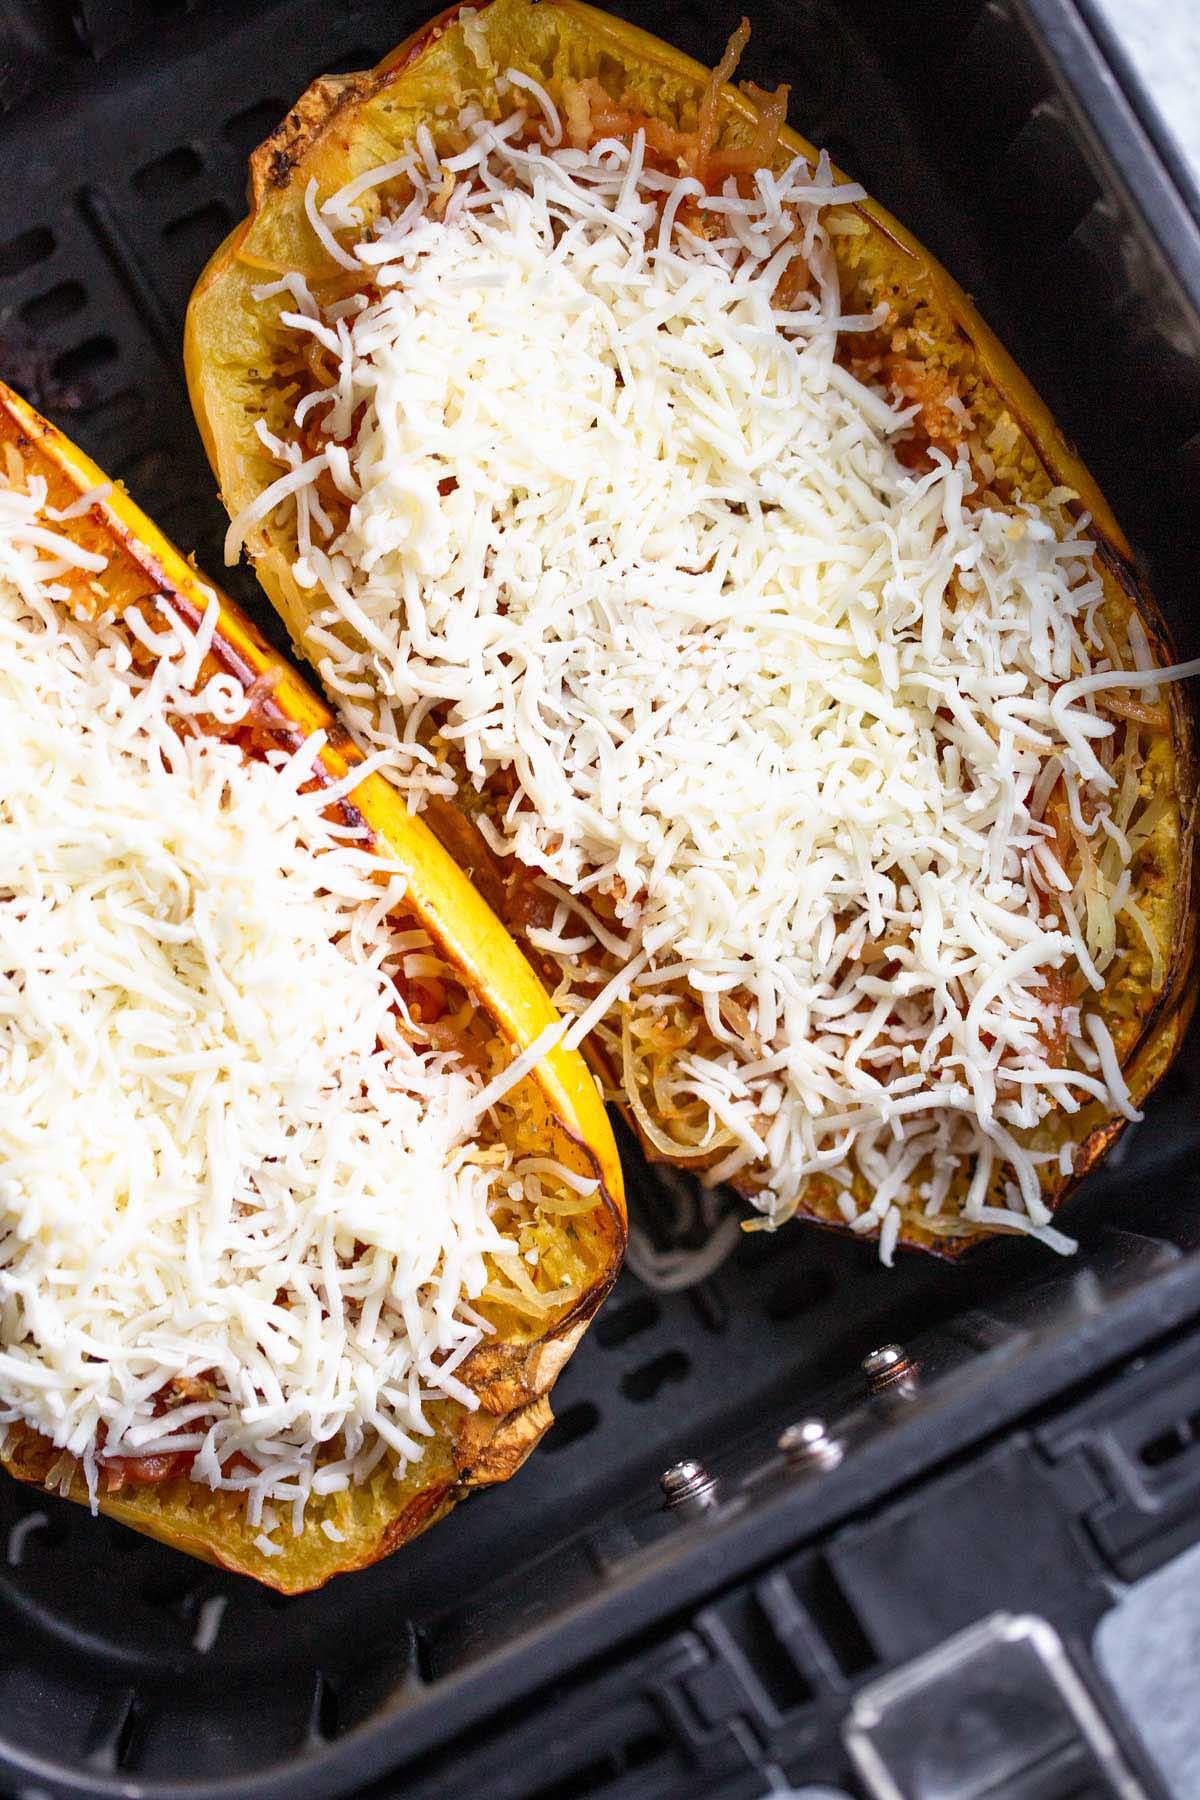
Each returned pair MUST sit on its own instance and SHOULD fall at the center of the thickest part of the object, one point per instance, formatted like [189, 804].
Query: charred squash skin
[344, 125]
[512, 1372]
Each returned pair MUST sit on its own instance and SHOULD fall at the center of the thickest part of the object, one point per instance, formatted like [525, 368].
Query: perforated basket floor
[123, 163]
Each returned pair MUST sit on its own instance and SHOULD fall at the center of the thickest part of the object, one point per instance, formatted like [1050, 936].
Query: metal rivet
[808, 1445]
[688, 1483]
[889, 1367]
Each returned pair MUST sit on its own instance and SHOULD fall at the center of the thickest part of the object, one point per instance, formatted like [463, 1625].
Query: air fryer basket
[122, 152]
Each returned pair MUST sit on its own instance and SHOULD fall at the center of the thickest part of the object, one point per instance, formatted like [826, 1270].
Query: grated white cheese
[223, 1159]
[620, 523]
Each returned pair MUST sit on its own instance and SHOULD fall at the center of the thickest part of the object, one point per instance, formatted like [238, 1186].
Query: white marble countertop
[1162, 40]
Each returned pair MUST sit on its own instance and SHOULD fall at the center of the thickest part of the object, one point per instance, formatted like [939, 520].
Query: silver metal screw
[890, 1368]
[809, 1445]
[688, 1484]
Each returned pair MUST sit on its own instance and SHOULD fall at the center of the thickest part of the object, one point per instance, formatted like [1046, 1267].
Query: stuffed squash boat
[676, 531]
[299, 1218]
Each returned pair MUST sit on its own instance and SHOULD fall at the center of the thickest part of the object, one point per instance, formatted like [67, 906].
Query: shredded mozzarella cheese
[242, 1207]
[618, 521]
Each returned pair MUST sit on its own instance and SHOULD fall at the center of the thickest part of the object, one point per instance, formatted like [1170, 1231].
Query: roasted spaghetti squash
[678, 533]
[298, 1222]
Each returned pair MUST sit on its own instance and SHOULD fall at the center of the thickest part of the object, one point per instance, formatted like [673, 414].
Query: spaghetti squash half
[302, 1210]
[677, 531]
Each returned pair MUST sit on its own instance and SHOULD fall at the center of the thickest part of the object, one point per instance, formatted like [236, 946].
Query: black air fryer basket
[907, 1599]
